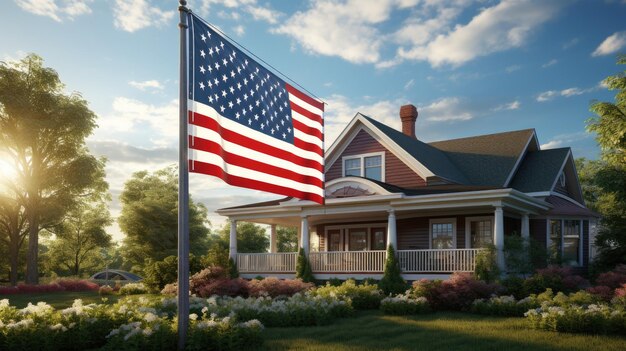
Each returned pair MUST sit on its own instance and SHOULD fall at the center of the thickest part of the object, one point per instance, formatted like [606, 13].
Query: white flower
[147, 331]
[193, 316]
[150, 317]
[4, 303]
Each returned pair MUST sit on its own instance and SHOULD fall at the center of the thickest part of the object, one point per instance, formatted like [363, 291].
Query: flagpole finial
[183, 6]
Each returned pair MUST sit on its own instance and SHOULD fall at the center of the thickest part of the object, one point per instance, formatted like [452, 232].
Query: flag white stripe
[218, 161]
[306, 121]
[250, 133]
[296, 100]
[237, 149]
[297, 133]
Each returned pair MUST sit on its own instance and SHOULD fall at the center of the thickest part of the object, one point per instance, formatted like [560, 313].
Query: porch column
[273, 238]
[498, 232]
[392, 236]
[304, 235]
[525, 227]
[233, 240]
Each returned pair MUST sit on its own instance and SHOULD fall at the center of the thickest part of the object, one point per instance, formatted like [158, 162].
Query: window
[480, 232]
[379, 239]
[369, 166]
[334, 240]
[442, 233]
[357, 239]
[565, 239]
[562, 179]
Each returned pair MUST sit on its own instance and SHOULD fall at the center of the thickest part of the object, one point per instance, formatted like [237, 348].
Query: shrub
[486, 268]
[456, 293]
[105, 290]
[602, 291]
[404, 305]
[392, 282]
[226, 333]
[591, 319]
[361, 297]
[133, 289]
[77, 284]
[613, 279]
[276, 287]
[555, 278]
[161, 273]
[302, 309]
[303, 268]
[222, 287]
[514, 285]
[504, 306]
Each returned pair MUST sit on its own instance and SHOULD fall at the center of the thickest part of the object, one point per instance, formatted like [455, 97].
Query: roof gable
[539, 170]
[488, 160]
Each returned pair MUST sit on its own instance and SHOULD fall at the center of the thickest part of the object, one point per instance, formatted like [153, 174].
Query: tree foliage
[250, 237]
[79, 238]
[149, 218]
[392, 281]
[604, 182]
[303, 267]
[286, 239]
[42, 134]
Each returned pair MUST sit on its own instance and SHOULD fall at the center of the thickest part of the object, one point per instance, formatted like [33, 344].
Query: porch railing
[347, 261]
[449, 260]
[284, 262]
[411, 261]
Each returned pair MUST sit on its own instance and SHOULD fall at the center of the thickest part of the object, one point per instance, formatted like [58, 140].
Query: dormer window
[369, 166]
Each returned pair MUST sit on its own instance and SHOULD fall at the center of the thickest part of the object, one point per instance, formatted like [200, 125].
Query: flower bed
[361, 297]
[133, 289]
[56, 286]
[302, 309]
[504, 306]
[404, 305]
[131, 324]
[456, 293]
[591, 319]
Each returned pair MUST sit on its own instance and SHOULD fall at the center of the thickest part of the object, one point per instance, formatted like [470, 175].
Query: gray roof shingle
[539, 169]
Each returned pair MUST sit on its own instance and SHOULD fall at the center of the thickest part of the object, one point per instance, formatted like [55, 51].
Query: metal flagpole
[183, 187]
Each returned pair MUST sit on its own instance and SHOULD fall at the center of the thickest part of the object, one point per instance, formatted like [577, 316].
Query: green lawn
[439, 331]
[58, 299]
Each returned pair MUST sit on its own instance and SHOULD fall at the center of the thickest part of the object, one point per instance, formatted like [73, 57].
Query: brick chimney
[408, 115]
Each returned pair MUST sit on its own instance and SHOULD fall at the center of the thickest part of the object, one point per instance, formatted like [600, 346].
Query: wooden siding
[561, 189]
[396, 172]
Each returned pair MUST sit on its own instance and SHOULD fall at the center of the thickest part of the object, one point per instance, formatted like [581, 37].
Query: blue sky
[471, 67]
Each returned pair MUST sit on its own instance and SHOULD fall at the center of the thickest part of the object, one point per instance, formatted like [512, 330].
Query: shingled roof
[539, 170]
[486, 160]
[432, 158]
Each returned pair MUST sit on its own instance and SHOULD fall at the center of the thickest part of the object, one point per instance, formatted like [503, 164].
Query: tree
[43, 131]
[149, 219]
[79, 239]
[607, 188]
[392, 281]
[286, 239]
[13, 231]
[250, 237]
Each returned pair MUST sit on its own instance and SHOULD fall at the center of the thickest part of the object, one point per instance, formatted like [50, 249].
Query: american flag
[249, 127]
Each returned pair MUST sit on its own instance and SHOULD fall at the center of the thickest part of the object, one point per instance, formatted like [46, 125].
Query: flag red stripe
[307, 130]
[230, 158]
[302, 96]
[236, 138]
[210, 169]
[299, 143]
[306, 113]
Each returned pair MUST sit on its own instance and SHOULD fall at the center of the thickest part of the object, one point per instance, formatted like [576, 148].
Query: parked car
[112, 276]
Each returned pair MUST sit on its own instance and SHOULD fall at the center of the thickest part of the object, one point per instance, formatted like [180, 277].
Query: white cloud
[343, 29]
[57, 10]
[133, 15]
[513, 105]
[569, 92]
[134, 117]
[447, 109]
[613, 44]
[570, 43]
[148, 84]
[239, 30]
[258, 12]
[550, 63]
[564, 140]
[513, 68]
[501, 27]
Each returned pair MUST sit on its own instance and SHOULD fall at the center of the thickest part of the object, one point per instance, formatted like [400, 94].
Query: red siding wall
[396, 172]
